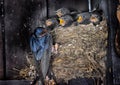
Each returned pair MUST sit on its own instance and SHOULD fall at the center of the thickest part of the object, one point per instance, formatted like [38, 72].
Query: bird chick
[62, 11]
[95, 18]
[83, 18]
[65, 20]
[51, 23]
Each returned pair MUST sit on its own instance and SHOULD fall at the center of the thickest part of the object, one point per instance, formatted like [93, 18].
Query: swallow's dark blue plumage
[39, 42]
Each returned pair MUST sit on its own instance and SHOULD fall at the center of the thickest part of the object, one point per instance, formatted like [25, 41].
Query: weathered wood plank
[16, 36]
[19, 18]
[15, 82]
[1, 44]
[1, 57]
[79, 5]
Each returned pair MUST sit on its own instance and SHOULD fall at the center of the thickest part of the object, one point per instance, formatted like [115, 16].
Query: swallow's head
[40, 31]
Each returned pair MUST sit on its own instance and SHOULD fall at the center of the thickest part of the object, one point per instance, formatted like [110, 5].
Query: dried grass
[82, 51]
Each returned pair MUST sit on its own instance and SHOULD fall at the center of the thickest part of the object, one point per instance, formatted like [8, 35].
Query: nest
[29, 71]
[82, 51]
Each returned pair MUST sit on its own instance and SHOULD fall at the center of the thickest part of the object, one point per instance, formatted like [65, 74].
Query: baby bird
[95, 18]
[62, 11]
[51, 23]
[65, 20]
[83, 18]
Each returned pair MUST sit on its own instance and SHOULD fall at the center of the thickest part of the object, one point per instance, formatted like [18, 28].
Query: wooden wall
[18, 16]
[1, 44]
[80, 5]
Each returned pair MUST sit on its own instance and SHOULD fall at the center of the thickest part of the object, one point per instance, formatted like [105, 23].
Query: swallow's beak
[43, 33]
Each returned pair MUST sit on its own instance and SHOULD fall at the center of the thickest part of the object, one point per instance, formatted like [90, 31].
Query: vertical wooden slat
[79, 5]
[15, 82]
[1, 56]
[1, 39]
[18, 14]
[14, 40]
[39, 14]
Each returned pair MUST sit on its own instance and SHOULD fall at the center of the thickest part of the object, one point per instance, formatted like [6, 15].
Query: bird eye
[44, 32]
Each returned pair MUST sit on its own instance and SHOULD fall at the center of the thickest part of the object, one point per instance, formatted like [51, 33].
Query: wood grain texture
[17, 32]
[1, 45]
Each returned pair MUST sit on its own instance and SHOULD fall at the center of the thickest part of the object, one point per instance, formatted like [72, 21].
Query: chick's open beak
[62, 22]
[94, 19]
[80, 19]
